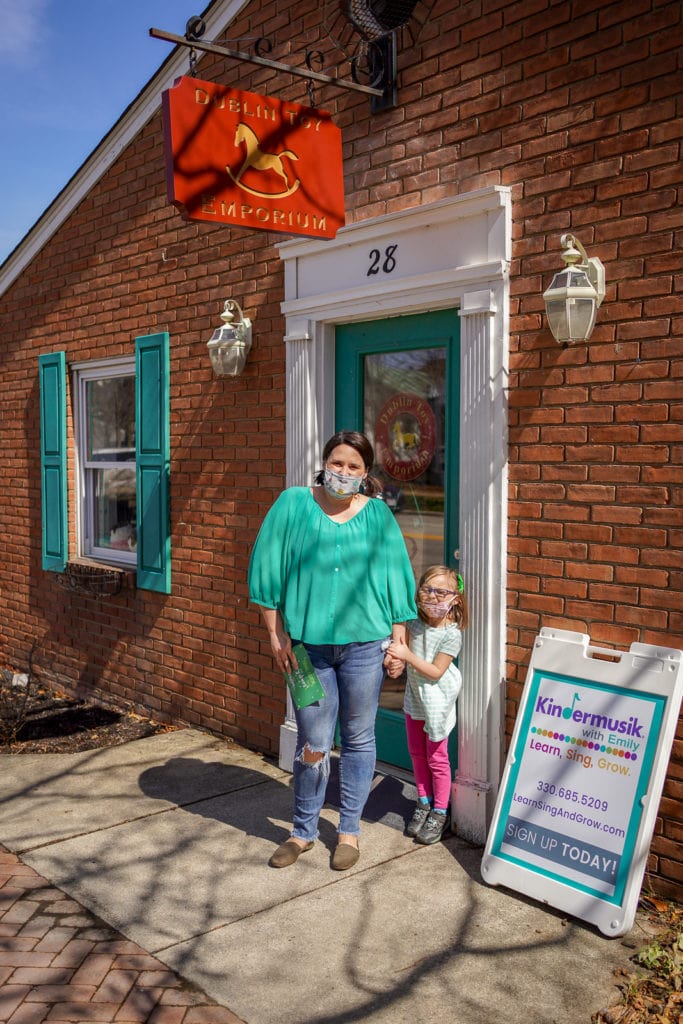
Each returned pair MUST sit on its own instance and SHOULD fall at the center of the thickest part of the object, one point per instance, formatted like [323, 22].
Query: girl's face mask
[436, 602]
[338, 485]
[437, 609]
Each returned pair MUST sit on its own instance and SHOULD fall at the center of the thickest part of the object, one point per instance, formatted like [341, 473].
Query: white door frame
[452, 253]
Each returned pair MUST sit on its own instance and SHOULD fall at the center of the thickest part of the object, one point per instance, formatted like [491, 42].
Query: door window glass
[405, 418]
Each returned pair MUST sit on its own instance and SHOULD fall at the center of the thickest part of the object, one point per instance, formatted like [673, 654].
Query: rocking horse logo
[406, 436]
[258, 160]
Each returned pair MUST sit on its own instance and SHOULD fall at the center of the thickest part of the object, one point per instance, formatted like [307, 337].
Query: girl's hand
[398, 650]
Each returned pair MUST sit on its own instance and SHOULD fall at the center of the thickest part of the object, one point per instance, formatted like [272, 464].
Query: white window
[104, 395]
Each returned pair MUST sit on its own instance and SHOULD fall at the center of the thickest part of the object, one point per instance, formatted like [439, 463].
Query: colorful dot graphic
[578, 741]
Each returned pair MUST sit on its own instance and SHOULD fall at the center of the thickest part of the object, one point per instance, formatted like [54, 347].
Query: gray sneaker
[418, 819]
[434, 827]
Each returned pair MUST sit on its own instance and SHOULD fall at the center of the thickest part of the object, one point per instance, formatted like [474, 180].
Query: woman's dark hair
[359, 442]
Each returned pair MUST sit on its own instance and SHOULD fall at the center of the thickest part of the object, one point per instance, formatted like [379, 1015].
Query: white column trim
[310, 391]
[301, 437]
[482, 511]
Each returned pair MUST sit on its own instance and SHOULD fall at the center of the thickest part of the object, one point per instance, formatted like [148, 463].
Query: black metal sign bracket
[193, 42]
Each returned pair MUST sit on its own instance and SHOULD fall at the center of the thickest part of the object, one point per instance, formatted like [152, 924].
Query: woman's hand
[394, 666]
[281, 646]
[280, 640]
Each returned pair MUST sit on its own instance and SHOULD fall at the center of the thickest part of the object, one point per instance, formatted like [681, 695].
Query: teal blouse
[333, 583]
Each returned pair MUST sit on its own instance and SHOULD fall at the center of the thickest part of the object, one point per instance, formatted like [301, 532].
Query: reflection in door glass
[405, 418]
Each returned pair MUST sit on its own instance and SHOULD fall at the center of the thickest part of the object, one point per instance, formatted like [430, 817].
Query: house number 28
[382, 262]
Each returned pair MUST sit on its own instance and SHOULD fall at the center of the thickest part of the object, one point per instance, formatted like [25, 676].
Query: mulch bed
[53, 722]
[652, 992]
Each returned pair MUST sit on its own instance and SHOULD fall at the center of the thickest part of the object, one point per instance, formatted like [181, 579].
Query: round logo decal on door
[405, 436]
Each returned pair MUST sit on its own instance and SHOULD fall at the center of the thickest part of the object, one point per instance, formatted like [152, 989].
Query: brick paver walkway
[59, 963]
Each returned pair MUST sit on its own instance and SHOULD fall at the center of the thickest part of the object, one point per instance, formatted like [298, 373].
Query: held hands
[394, 661]
[394, 666]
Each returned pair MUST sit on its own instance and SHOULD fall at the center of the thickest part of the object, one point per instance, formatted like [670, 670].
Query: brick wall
[576, 107]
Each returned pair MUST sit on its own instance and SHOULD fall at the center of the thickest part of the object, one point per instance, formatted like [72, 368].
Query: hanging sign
[581, 787]
[405, 436]
[235, 157]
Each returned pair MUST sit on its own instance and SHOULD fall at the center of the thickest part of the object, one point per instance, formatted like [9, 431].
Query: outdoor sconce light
[572, 300]
[229, 345]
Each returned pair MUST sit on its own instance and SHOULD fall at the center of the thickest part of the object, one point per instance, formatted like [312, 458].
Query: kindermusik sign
[581, 788]
[235, 157]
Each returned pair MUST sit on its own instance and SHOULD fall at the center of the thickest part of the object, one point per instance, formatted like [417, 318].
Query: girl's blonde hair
[458, 611]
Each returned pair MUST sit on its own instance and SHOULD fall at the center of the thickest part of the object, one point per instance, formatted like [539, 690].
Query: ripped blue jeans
[351, 675]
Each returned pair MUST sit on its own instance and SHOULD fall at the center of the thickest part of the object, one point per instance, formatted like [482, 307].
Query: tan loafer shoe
[344, 857]
[288, 853]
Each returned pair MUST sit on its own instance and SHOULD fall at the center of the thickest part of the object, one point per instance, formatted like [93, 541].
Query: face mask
[437, 610]
[338, 485]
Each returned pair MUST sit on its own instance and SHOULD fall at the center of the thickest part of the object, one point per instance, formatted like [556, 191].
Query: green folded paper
[303, 683]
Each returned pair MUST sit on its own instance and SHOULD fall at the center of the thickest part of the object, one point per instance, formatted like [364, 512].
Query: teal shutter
[55, 527]
[152, 461]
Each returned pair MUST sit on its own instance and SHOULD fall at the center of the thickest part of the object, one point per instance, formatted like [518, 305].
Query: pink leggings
[430, 763]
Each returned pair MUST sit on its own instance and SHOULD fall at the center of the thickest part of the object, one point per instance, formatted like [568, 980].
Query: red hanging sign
[235, 157]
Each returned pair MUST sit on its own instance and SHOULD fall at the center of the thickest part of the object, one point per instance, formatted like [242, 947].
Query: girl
[433, 685]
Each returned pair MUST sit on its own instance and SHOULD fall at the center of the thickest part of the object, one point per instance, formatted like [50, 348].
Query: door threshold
[383, 768]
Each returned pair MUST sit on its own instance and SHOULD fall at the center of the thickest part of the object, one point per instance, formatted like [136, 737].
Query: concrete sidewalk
[167, 840]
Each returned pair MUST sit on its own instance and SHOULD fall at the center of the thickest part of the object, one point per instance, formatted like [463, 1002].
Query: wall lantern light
[574, 294]
[229, 345]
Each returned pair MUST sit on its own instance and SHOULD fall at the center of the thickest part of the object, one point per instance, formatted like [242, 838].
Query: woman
[330, 569]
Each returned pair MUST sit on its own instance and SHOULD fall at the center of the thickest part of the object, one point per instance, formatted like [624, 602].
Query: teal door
[398, 381]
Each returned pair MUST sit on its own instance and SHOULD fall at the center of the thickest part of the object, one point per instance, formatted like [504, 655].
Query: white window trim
[452, 253]
[81, 373]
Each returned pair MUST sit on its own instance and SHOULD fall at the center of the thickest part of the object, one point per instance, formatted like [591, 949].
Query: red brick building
[556, 472]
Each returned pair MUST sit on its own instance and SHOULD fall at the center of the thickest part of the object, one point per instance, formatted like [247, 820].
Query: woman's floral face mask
[338, 485]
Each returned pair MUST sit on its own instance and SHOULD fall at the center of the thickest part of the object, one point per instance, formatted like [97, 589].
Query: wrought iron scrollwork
[195, 28]
[368, 63]
[263, 46]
